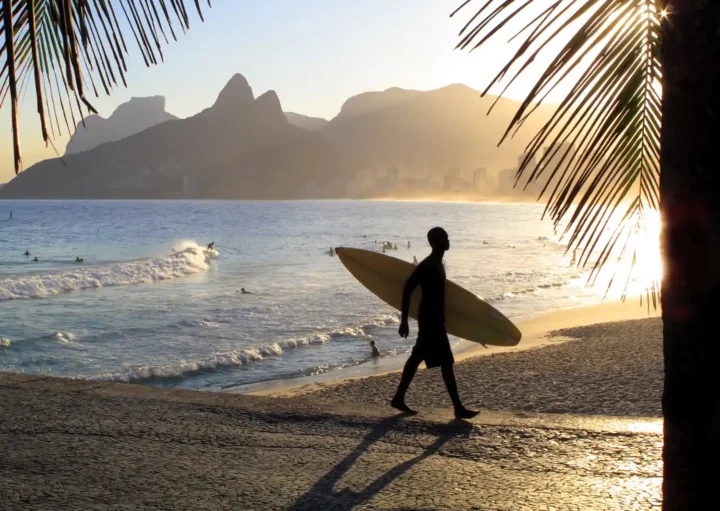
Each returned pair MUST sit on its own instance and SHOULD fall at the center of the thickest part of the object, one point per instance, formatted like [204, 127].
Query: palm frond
[60, 48]
[600, 150]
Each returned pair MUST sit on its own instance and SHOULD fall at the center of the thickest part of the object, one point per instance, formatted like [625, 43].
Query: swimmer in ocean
[36, 259]
[79, 259]
[245, 291]
[375, 351]
[27, 253]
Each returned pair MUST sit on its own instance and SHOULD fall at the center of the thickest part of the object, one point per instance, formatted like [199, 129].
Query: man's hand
[404, 329]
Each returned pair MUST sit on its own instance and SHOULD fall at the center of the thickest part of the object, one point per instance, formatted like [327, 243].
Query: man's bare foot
[400, 405]
[464, 413]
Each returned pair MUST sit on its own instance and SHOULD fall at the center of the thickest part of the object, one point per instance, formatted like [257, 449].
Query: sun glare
[648, 268]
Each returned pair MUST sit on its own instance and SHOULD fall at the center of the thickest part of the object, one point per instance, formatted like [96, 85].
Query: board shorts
[433, 344]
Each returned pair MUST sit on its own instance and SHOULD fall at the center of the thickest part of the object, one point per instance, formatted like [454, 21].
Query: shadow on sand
[323, 495]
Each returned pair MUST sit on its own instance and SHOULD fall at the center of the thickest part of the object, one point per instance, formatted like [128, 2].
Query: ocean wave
[185, 262]
[526, 291]
[228, 360]
[63, 337]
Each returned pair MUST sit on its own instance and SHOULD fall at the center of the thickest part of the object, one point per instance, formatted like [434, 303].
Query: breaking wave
[4, 343]
[185, 262]
[529, 290]
[229, 360]
[236, 358]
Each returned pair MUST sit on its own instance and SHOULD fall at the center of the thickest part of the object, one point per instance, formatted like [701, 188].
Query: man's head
[372, 343]
[438, 239]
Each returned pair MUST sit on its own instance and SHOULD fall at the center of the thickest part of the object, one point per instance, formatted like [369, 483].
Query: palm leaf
[599, 152]
[60, 48]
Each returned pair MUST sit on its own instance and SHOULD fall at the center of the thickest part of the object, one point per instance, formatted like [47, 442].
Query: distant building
[428, 184]
[189, 189]
[481, 182]
[506, 182]
[393, 175]
[452, 181]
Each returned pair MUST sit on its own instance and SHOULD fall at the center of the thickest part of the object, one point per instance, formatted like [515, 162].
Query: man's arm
[410, 284]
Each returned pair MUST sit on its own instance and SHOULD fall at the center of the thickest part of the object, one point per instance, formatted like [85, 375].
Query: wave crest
[185, 262]
[228, 360]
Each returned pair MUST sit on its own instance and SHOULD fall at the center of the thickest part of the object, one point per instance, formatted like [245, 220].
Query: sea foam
[228, 360]
[41, 285]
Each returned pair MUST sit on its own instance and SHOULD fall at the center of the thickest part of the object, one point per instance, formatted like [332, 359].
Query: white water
[189, 259]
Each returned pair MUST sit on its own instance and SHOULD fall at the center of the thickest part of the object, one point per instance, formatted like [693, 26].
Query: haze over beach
[357, 255]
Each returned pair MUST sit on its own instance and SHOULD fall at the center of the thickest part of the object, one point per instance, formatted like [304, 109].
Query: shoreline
[537, 333]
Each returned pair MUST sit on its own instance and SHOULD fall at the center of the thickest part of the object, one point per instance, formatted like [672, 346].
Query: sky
[314, 53]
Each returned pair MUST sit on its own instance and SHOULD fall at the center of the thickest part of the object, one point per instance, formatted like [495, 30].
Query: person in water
[211, 246]
[245, 291]
[79, 259]
[27, 253]
[415, 261]
[375, 351]
[432, 345]
[331, 251]
[36, 259]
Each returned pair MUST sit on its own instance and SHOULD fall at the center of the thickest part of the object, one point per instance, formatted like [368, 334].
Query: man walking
[432, 345]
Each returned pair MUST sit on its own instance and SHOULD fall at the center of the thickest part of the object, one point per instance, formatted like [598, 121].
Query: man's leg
[408, 374]
[448, 374]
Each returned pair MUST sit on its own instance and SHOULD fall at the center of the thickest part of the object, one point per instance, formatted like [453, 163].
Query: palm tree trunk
[690, 203]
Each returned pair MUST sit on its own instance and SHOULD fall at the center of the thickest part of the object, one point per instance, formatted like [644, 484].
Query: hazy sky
[314, 53]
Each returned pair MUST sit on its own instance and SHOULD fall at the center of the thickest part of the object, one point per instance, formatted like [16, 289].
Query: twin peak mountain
[247, 147]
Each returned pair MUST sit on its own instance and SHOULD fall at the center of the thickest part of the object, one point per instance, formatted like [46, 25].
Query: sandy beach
[600, 360]
[77, 444]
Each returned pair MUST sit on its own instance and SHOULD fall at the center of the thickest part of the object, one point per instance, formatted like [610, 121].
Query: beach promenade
[77, 445]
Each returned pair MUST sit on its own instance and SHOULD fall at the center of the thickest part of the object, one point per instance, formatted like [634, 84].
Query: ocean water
[146, 306]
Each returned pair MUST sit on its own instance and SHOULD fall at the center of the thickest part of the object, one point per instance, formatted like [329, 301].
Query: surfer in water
[432, 345]
[27, 253]
[375, 351]
[415, 261]
[211, 247]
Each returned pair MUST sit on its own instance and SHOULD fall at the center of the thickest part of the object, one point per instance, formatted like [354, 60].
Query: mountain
[240, 147]
[129, 118]
[434, 130]
[247, 147]
[305, 122]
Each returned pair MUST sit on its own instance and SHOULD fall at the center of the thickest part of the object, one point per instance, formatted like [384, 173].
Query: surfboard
[466, 315]
[213, 253]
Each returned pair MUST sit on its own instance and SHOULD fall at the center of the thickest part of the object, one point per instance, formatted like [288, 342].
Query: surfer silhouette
[432, 345]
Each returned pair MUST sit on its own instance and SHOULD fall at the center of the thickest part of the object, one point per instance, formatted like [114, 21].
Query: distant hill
[129, 118]
[247, 147]
[438, 129]
[305, 122]
[240, 147]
